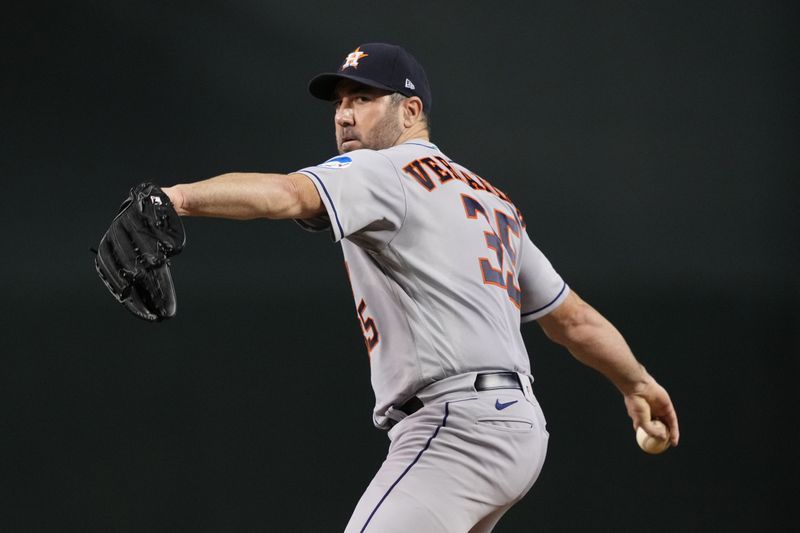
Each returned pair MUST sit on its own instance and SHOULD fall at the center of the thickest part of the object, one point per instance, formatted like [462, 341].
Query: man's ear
[412, 110]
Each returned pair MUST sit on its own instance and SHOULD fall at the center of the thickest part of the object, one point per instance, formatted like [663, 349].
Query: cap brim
[322, 86]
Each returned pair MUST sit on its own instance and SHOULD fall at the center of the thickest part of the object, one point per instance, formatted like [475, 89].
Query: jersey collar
[422, 142]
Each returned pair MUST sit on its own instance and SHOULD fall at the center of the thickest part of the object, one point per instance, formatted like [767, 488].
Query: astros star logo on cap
[352, 58]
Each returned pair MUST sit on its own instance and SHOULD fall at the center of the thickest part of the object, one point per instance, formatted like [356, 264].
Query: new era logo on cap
[380, 65]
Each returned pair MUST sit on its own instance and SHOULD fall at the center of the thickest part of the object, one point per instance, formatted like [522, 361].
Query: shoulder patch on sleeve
[341, 161]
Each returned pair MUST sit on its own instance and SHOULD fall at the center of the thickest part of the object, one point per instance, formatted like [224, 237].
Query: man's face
[365, 117]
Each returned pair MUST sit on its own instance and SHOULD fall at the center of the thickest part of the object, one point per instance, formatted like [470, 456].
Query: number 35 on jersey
[495, 270]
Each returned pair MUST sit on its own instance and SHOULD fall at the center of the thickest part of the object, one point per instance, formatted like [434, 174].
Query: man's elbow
[296, 197]
[565, 325]
[282, 197]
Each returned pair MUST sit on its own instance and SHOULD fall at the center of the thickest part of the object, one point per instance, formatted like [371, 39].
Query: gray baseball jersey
[440, 263]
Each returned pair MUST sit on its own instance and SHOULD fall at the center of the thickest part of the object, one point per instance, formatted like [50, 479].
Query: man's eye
[363, 99]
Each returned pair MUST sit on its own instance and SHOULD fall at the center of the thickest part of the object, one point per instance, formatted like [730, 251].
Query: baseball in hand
[650, 444]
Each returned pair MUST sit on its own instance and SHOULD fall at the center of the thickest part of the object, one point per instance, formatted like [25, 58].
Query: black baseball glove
[133, 256]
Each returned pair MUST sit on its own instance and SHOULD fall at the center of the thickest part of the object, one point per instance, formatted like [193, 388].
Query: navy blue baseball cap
[381, 65]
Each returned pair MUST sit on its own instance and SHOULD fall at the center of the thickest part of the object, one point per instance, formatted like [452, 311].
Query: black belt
[485, 381]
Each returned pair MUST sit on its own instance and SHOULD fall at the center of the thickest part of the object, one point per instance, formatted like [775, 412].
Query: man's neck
[417, 131]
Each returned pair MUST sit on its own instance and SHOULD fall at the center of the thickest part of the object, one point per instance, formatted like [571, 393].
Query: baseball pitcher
[443, 273]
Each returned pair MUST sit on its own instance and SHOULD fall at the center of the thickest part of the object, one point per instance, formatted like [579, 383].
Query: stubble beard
[383, 135]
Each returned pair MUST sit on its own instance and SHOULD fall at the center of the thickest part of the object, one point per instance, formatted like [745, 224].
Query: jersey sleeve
[363, 197]
[542, 288]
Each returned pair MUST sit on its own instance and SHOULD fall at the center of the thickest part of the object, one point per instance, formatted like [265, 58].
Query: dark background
[652, 148]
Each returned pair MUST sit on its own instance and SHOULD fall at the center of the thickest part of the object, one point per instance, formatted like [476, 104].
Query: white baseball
[651, 444]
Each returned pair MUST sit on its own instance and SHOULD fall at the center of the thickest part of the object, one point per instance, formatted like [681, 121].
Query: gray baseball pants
[456, 465]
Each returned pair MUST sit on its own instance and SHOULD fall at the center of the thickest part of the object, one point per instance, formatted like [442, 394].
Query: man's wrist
[178, 199]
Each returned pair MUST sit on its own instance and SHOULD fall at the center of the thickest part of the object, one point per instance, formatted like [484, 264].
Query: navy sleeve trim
[563, 288]
[330, 201]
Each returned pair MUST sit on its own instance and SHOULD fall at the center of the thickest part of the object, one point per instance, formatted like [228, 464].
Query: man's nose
[344, 116]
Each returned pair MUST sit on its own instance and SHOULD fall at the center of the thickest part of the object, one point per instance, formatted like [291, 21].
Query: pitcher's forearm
[595, 342]
[244, 196]
[599, 345]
